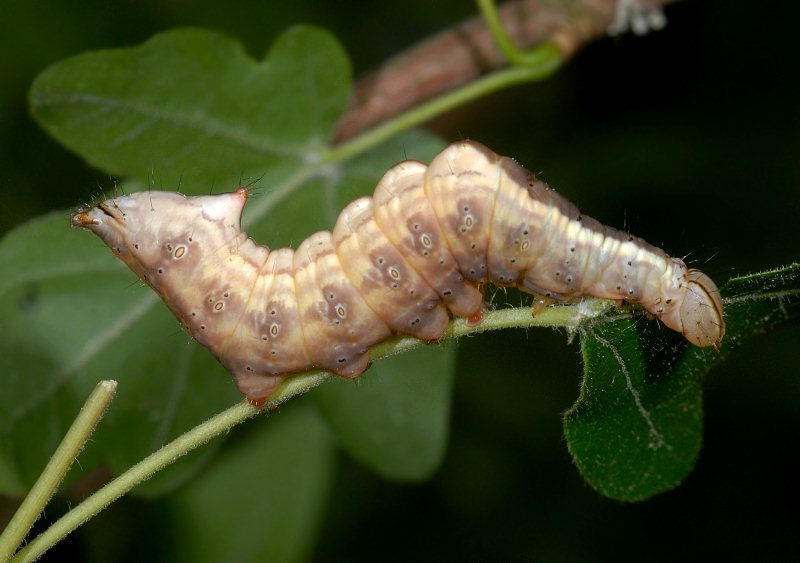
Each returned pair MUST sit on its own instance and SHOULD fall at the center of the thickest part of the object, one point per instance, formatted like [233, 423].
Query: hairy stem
[66, 453]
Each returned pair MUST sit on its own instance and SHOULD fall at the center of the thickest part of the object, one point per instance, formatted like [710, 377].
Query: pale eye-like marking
[341, 311]
[179, 252]
[426, 240]
[219, 306]
[393, 272]
[274, 330]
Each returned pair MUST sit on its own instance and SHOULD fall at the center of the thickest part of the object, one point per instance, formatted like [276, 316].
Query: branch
[466, 51]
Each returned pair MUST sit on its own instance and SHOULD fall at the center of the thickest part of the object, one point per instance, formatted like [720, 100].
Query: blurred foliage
[687, 137]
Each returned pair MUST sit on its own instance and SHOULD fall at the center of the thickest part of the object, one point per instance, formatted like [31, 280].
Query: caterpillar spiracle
[426, 242]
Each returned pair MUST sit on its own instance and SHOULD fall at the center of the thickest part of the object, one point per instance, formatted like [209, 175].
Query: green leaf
[265, 498]
[395, 418]
[636, 428]
[189, 107]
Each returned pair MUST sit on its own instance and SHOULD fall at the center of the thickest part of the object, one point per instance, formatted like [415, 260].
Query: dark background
[688, 137]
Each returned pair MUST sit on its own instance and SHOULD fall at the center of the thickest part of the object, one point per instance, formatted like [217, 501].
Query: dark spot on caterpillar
[572, 249]
[630, 263]
[161, 270]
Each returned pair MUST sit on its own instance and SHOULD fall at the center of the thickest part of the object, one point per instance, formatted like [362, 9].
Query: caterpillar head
[700, 314]
[153, 231]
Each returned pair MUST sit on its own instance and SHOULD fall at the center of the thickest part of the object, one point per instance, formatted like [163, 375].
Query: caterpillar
[399, 262]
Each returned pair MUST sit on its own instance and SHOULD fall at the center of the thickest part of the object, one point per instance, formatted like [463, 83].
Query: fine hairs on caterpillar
[426, 242]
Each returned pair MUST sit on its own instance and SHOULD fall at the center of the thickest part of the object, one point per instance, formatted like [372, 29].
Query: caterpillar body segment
[425, 243]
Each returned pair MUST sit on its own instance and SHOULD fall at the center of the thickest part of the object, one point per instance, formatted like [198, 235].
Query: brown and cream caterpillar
[426, 242]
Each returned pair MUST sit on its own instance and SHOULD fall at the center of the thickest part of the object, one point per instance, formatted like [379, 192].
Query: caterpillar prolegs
[426, 242]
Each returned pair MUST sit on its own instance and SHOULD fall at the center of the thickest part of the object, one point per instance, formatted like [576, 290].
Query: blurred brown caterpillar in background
[428, 240]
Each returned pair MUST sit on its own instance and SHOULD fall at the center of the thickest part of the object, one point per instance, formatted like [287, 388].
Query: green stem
[141, 471]
[568, 316]
[545, 60]
[533, 58]
[66, 453]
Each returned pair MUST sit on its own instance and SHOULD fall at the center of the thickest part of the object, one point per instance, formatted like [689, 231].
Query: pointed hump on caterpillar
[152, 231]
[421, 248]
